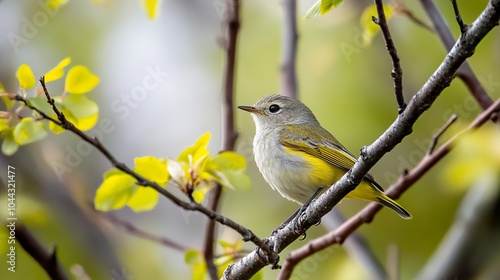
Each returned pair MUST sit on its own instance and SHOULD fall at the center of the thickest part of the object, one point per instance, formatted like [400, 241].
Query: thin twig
[399, 7]
[247, 234]
[397, 72]
[133, 230]
[367, 214]
[465, 72]
[458, 17]
[232, 25]
[289, 53]
[47, 260]
[436, 136]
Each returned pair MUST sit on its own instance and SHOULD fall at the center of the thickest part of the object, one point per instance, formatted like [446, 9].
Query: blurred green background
[347, 85]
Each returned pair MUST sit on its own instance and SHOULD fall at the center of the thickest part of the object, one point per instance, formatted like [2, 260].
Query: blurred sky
[346, 84]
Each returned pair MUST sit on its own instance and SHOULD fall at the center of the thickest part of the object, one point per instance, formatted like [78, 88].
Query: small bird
[299, 158]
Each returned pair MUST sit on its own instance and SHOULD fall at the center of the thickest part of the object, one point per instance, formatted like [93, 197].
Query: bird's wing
[321, 144]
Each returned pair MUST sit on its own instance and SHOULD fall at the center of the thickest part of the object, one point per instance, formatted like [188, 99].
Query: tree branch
[465, 72]
[247, 234]
[232, 23]
[458, 17]
[397, 72]
[370, 155]
[289, 53]
[339, 235]
[47, 260]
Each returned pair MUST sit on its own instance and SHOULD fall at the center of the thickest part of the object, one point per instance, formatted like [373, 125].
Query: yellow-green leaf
[83, 124]
[56, 129]
[114, 192]
[4, 124]
[322, 7]
[152, 168]
[369, 28]
[58, 71]
[28, 130]
[8, 102]
[194, 259]
[230, 160]
[80, 80]
[87, 123]
[40, 102]
[56, 4]
[144, 199]
[192, 256]
[25, 76]
[198, 150]
[152, 8]
[80, 106]
[200, 192]
[9, 144]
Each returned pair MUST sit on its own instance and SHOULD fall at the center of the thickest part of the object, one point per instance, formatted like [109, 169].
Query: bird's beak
[251, 109]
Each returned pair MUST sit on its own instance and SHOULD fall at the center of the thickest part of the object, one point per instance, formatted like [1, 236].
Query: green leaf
[8, 102]
[232, 178]
[112, 172]
[152, 168]
[58, 71]
[4, 124]
[322, 7]
[199, 149]
[192, 256]
[152, 8]
[28, 131]
[230, 160]
[144, 199]
[115, 191]
[194, 259]
[80, 80]
[82, 123]
[228, 169]
[200, 191]
[56, 129]
[25, 76]
[40, 102]
[9, 144]
[56, 4]
[369, 28]
[80, 106]
[85, 124]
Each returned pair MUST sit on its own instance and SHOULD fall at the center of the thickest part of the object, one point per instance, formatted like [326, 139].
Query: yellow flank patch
[322, 173]
[364, 191]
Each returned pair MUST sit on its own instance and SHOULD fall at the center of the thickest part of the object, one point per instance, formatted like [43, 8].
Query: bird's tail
[371, 192]
[389, 203]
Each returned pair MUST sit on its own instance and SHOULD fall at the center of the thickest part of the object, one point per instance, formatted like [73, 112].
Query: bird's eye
[274, 108]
